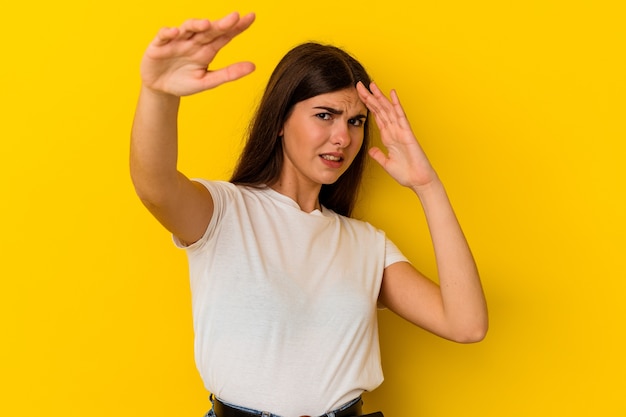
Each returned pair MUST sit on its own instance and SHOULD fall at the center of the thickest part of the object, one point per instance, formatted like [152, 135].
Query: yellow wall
[520, 106]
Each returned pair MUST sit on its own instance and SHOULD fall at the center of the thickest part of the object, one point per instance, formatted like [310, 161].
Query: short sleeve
[221, 192]
[392, 253]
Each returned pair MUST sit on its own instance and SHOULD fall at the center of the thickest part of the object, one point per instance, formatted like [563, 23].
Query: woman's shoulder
[356, 223]
[221, 188]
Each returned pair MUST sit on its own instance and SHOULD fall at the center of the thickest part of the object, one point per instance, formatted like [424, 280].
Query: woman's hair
[306, 71]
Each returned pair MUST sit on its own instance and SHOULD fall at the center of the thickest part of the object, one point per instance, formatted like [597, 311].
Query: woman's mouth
[335, 158]
[332, 160]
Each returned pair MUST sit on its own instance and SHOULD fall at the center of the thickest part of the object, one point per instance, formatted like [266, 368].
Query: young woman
[285, 285]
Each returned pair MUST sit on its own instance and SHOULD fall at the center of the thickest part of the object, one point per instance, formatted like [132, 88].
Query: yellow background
[520, 106]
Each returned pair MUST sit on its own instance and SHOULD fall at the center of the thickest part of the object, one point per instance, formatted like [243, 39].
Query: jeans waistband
[222, 409]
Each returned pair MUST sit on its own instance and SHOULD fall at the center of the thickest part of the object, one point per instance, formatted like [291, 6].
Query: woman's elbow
[473, 333]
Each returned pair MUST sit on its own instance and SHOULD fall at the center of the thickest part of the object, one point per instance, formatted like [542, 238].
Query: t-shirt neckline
[291, 202]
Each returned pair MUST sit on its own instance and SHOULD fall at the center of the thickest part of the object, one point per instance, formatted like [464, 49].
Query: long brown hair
[307, 70]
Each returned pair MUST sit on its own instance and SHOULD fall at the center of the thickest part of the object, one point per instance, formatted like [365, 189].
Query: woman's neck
[306, 196]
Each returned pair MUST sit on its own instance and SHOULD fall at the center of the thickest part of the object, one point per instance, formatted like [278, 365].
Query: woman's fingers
[192, 27]
[230, 73]
[378, 104]
[403, 120]
[378, 155]
[204, 31]
[218, 32]
[165, 35]
[227, 31]
[387, 111]
[227, 22]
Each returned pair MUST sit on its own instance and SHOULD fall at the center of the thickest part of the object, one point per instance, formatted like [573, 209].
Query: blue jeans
[211, 413]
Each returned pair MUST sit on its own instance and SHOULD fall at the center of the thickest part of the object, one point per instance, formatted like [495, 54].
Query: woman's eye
[356, 122]
[323, 116]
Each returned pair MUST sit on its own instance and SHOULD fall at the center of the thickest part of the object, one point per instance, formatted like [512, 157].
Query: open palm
[177, 60]
[405, 160]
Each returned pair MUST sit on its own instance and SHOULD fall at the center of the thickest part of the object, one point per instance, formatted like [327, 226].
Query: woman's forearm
[154, 145]
[461, 290]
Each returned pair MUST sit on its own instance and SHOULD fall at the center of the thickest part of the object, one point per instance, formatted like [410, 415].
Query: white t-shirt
[284, 302]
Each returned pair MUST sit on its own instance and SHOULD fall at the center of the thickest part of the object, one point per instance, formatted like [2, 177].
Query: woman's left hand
[456, 308]
[405, 160]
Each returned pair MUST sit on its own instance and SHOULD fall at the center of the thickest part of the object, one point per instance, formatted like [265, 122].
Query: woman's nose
[341, 136]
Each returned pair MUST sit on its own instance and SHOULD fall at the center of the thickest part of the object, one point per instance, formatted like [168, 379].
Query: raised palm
[177, 61]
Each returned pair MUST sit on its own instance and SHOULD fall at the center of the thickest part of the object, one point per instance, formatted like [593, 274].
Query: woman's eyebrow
[337, 111]
[329, 109]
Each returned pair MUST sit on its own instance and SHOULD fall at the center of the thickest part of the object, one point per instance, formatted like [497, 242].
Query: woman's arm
[456, 308]
[174, 65]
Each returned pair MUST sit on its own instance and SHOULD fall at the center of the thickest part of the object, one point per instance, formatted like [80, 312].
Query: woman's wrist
[433, 185]
[159, 95]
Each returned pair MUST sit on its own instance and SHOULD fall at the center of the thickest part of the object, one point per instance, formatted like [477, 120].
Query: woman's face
[322, 136]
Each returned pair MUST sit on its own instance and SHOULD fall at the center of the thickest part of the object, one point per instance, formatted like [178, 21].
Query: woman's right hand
[177, 61]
